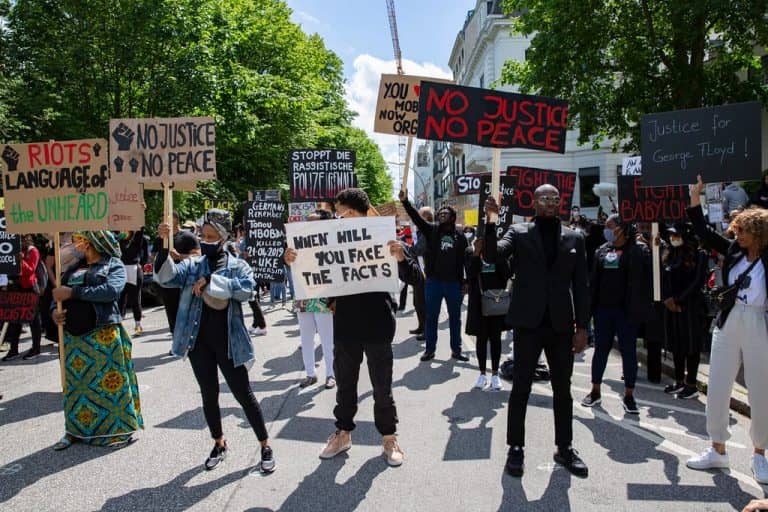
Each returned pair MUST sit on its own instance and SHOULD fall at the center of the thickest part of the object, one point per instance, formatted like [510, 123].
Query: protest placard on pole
[397, 106]
[342, 257]
[56, 186]
[638, 203]
[528, 179]
[264, 195]
[10, 248]
[491, 118]
[506, 203]
[18, 307]
[722, 143]
[407, 164]
[468, 184]
[632, 166]
[299, 212]
[319, 174]
[126, 203]
[265, 239]
[164, 149]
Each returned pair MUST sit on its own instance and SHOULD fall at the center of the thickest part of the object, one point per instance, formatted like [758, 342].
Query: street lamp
[414, 173]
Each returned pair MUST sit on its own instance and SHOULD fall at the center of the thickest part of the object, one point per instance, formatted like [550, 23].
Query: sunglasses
[548, 200]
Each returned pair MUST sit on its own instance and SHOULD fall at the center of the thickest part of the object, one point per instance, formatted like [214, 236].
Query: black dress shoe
[31, 354]
[514, 465]
[10, 356]
[416, 331]
[427, 356]
[570, 460]
[459, 356]
[421, 337]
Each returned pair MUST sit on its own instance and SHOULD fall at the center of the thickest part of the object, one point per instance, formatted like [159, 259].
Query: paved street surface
[453, 438]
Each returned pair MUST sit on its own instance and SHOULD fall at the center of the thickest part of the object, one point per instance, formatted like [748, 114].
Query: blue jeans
[434, 293]
[610, 322]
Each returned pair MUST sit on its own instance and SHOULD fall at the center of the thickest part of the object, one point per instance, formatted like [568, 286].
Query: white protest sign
[342, 257]
[632, 166]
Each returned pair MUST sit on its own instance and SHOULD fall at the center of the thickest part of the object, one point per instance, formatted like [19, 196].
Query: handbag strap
[740, 279]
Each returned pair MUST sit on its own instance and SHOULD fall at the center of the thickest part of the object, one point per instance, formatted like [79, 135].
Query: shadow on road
[29, 406]
[555, 496]
[472, 443]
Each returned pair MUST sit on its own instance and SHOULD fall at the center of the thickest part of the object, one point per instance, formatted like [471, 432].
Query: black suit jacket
[561, 291]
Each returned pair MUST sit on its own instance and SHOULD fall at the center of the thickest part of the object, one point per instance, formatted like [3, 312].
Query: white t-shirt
[754, 294]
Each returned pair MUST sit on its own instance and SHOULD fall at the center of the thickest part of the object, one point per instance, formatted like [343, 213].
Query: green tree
[616, 60]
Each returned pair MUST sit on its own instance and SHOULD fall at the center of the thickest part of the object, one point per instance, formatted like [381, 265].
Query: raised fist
[123, 136]
[11, 158]
[118, 164]
[134, 165]
[96, 149]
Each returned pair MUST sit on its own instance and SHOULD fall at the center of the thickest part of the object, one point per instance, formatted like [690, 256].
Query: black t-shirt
[445, 259]
[612, 277]
[364, 318]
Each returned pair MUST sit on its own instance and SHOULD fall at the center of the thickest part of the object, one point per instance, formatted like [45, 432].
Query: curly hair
[753, 221]
[354, 198]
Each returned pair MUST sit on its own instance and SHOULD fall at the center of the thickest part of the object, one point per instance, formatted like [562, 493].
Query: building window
[588, 178]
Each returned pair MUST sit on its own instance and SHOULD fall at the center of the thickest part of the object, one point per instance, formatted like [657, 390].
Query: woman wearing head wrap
[211, 331]
[621, 301]
[101, 395]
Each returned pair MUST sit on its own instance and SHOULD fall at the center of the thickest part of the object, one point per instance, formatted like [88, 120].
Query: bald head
[547, 201]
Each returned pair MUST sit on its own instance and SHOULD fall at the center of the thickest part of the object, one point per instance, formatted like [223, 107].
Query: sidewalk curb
[739, 401]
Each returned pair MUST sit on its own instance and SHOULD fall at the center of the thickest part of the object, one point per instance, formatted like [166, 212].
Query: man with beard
[549, 311]
[444, 268]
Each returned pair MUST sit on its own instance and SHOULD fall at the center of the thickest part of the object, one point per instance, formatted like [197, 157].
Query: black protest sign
[719, 143]
[163, 149]
[10, 249]
[319, 174]
[528, 179]
[506, 205]
[469, 184]
[265, 239]
[266, 195]
[17, 307]
[651, 204]
[491, 118]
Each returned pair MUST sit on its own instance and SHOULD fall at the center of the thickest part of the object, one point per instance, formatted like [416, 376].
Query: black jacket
[638, 294]
[474, 265]
[560, 291]
[431, 232]
[728, 248]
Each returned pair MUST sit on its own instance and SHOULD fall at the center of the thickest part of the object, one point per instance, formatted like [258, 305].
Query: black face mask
[210, 249]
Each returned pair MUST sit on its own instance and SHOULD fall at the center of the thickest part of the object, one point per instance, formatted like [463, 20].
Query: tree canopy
[68, 66]
[616, 60]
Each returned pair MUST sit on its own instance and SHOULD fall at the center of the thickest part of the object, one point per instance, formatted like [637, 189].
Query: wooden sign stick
[656, 263]
[495, 181]
[407, 165]
[168, 212]
[60, 309]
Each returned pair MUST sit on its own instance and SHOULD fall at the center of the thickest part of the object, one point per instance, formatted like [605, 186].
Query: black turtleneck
[549, 229]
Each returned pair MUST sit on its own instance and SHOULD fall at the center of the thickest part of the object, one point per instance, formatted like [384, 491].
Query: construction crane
[395, 38]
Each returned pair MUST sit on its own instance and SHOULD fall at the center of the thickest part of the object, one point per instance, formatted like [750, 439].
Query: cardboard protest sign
[506, 205]
[178, 186]
[491, 118]
[469, 184]
[56, 186]
[126, 203]
[17, 307]
[471, 217]
[265, 239]
[632, 166]
[10, 249]
[651, 204]
[528, 179]
[721, 143]
[342, 257]
[397, 107]
[320, 174]
[163, 149]
[299, 212]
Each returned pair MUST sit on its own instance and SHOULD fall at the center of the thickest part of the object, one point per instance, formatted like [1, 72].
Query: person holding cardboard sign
[740, 334]
[549, 311]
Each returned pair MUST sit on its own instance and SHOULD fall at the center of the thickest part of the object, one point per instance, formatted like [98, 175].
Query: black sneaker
[591, 400]
[10, 356]
[514, 465]
[427, 356]
[630, 405]
[675, 388]
[570, 460]
[267, 460]
[218, 454]
[416, 331]
[421, 337]
[688, 392]
[459, 357]
[31, 354]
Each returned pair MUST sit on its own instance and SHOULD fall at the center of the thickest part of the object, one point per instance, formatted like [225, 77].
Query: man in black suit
[548, 311]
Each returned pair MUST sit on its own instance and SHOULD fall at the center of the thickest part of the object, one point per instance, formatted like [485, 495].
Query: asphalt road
[453, 438]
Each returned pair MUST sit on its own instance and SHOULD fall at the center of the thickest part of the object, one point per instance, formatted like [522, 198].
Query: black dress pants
[347, 358]
[419, 304]
[558, 348]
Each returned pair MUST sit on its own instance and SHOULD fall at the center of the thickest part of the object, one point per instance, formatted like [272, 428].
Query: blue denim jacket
[234, 282]
[104, 281]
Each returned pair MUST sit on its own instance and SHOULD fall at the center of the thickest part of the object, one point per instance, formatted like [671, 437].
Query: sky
[358, 32]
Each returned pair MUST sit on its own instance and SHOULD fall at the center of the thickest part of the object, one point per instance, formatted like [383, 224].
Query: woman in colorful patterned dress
[101, 395]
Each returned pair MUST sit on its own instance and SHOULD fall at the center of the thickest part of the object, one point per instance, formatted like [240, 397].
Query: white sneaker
[481, 382]
[760, 468]
[496, 383]
[709, 459]
[257, 331]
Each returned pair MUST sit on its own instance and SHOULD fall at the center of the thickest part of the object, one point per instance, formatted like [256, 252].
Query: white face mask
[676, 242]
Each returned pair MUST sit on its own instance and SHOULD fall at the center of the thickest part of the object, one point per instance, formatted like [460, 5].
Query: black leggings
[132, 293]
[490, 332]
[205, 359]
[685, 362]
[258, 316]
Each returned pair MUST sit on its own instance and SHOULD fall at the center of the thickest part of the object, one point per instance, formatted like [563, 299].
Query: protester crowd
[545, 286]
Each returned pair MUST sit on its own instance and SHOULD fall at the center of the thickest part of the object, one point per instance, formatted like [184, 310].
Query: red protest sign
[528, 179]
[17, 307]
[489, 118]
[651, 204]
